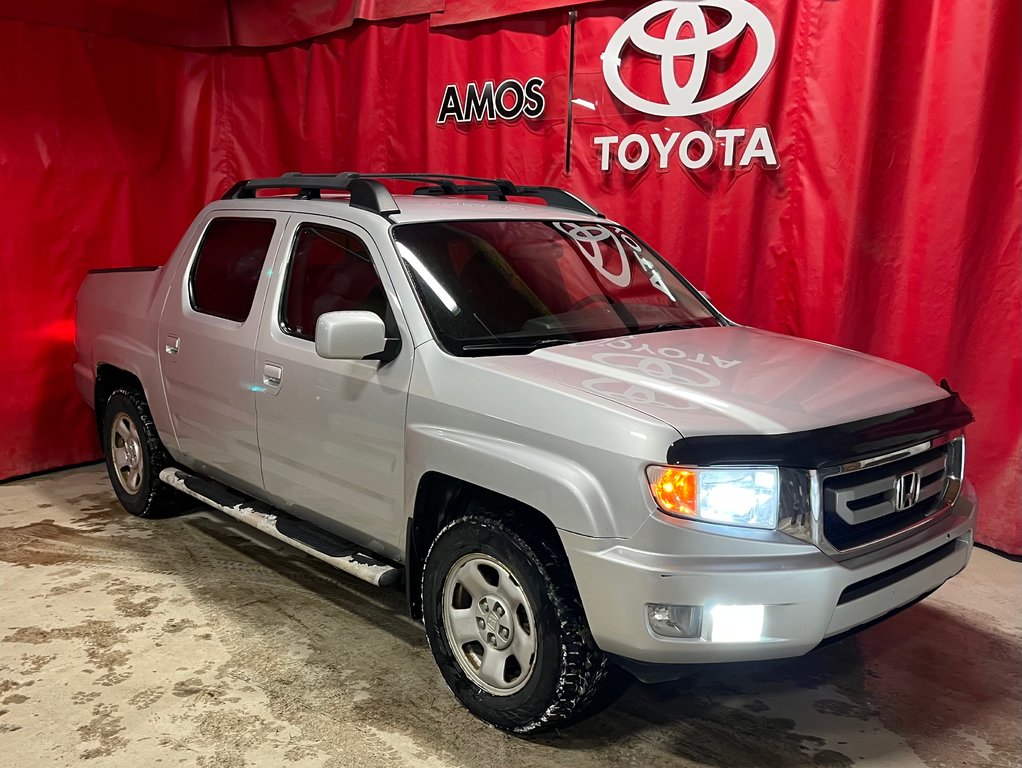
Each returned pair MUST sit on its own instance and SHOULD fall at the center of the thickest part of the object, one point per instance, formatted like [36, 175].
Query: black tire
[150, 497]
[568, 668]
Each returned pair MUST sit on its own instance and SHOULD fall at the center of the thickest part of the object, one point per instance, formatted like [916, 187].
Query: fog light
[736, 623]
[675, 620]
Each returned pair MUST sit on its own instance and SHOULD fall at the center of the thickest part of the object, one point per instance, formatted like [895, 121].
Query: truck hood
[731, 380]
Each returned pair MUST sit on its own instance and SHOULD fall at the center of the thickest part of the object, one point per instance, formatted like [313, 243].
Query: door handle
[272, 375]
[172, 345]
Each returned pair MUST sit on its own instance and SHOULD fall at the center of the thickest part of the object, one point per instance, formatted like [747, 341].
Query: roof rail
[366, 193]
[369, 194]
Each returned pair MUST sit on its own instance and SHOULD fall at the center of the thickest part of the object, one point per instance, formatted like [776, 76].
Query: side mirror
[350, 335]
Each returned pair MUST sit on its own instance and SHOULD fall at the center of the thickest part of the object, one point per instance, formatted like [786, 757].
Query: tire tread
[160, 498]
[583, 666]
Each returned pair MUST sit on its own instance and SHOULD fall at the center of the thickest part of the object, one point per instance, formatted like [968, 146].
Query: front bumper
[806, 596]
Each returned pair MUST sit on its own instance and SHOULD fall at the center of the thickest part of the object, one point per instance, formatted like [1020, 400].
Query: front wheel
[506, 626]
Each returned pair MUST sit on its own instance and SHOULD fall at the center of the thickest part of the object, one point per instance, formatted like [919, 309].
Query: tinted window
[330, 271]
[494, 287]
[226, 271]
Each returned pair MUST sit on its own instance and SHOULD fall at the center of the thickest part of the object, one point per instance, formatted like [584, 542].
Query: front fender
[566, 492]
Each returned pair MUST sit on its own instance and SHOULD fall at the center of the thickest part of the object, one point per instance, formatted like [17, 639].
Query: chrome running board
[299, 534]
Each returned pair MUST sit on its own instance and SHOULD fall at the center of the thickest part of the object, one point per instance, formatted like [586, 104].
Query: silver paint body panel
[567, 430]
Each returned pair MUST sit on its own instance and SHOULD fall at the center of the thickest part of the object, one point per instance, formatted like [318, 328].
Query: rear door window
[227, 267]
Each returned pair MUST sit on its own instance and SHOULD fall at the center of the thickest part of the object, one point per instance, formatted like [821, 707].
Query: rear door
[331, 432]
[208, 339]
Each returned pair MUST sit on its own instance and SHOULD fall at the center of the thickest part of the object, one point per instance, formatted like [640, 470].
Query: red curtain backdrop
[891, 224]
[217, 23]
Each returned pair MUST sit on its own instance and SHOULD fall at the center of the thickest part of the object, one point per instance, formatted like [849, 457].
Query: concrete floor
[192, 641]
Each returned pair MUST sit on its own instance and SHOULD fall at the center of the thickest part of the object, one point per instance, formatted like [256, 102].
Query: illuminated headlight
[744, 496]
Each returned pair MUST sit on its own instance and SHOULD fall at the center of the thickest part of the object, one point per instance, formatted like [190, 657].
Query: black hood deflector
[828, 446]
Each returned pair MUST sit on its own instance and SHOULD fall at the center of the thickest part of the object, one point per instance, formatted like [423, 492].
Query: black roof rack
[369, 194]
[365, 192]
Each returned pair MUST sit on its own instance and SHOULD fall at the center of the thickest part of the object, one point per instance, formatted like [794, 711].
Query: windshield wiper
[671, 327]
[515, 346]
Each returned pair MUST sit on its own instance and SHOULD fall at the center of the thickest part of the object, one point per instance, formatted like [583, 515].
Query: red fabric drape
[188, 23]
[214, 23]
[891, 224]
[281, 22]
[465, 11]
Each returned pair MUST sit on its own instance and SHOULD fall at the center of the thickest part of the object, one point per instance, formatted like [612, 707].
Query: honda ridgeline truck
[568, 454]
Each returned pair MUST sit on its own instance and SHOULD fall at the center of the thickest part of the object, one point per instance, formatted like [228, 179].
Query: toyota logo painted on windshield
[683, 99]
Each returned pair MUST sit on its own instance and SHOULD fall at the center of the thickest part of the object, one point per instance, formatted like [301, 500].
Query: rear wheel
[506, 626]
[135, 456]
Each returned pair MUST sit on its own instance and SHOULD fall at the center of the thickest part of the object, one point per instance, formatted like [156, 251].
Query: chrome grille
[874, 501]
[861, 507]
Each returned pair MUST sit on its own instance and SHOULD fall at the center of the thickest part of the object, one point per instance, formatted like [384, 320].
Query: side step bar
[298, 533]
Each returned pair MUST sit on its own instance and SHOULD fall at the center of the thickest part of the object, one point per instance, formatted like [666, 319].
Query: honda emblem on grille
[906, 491]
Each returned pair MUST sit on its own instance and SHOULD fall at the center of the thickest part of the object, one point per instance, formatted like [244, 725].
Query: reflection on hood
[707, 381]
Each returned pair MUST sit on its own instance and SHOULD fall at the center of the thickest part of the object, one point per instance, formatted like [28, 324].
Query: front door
[331, 432]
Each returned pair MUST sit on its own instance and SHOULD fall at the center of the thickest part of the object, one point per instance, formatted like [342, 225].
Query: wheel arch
[448, 467]
[110, 378]
[440, 499]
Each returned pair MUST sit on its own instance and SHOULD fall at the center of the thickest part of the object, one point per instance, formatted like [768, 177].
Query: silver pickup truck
[568, 454]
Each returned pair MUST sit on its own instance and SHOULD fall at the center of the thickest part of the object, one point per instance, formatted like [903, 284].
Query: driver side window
[330, 270]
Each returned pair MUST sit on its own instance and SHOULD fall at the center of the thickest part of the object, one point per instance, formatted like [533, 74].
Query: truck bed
[115, 313]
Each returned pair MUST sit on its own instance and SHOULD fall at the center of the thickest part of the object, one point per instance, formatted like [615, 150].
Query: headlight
[744, 496]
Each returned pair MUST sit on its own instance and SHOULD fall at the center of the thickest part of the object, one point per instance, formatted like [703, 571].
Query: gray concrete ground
[193, 641]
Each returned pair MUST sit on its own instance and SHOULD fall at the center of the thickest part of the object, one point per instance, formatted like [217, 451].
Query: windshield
[501, 287]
